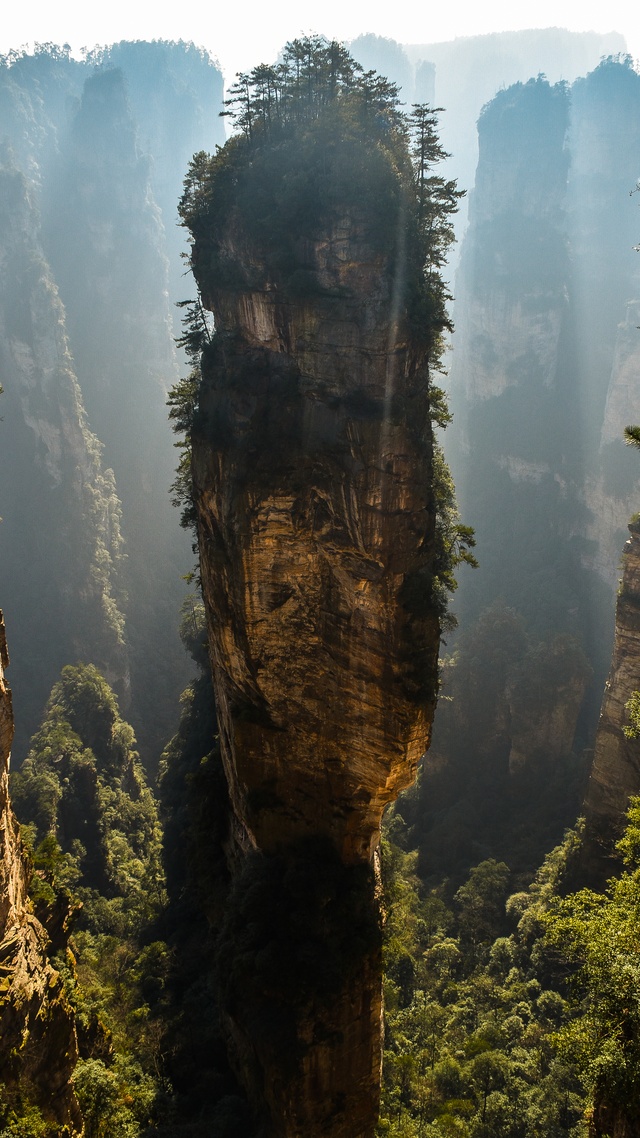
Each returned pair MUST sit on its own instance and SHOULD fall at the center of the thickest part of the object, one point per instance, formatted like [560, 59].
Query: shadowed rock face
[38, 1048]
[312, 461]
[615, 774]
[313, 484]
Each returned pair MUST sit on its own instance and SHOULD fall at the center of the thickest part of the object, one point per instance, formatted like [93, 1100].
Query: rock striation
[60, 539]
[313, 485]
[542, 385]
[315, 524]
[92, 159]
[615, 773]
[39, 1046]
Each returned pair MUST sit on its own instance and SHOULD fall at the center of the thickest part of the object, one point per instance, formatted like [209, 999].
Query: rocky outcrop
[93, 148]
[315, 513]
[60, 540]
[615, 773]
[312, 463]
[38, 1045]
[546, 333]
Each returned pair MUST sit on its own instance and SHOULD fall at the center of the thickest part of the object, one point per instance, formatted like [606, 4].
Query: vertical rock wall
[38, 1046]
[313, 484]
[615, 773]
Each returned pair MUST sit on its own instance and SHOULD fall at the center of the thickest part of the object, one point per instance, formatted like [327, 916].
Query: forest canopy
[317, 136]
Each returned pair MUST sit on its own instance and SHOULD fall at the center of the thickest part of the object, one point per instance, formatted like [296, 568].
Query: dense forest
[205, 935]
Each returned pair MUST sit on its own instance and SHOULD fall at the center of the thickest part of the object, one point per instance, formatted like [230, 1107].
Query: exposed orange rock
[38, 1045]
[312, 466]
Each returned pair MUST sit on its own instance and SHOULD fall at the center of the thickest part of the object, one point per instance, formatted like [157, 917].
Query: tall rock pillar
[313, 487]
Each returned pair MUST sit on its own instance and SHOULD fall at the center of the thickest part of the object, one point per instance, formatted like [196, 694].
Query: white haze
[242, 35]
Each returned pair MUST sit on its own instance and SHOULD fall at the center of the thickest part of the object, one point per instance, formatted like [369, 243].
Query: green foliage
[454, 541]
[632, 436]
[83, 789]
[632, 706]
[471, 1016]
[318, 135]
[21, 1118]
[116, 1100]
[183, 405]
[596, 937]
[93, 829]
[480, 901]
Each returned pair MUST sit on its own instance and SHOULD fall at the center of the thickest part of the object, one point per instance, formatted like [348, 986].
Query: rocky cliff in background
[89, 141]
[543, 348]
[60, 532]
[39, 1046]
[469, 71]
[113, 280]
[541, 389]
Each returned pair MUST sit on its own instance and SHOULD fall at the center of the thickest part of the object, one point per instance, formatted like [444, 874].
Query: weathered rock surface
[86, 326]
[38, 1045]
[316, 513]
[60, 542]
[312, 473]
[615, 774]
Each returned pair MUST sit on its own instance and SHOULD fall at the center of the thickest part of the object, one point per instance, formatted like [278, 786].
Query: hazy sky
[242, 34]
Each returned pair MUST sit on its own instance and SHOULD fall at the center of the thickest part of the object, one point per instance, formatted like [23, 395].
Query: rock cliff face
[545, 331]
[60, 542]
[39, 1047]
[88, 150]
[312, 460]
[542, 385]
[615, 774]
[315, 515]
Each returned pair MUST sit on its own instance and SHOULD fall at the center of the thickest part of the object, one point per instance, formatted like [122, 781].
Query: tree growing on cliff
[315, 135]
[182, 402]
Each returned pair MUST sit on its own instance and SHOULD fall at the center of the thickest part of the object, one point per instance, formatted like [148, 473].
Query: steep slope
[469, 71]
[546, 275]
[615, 772]
[39, 1047]
[113, 280]
[60, 536]
[92, 158]
[314, 489]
